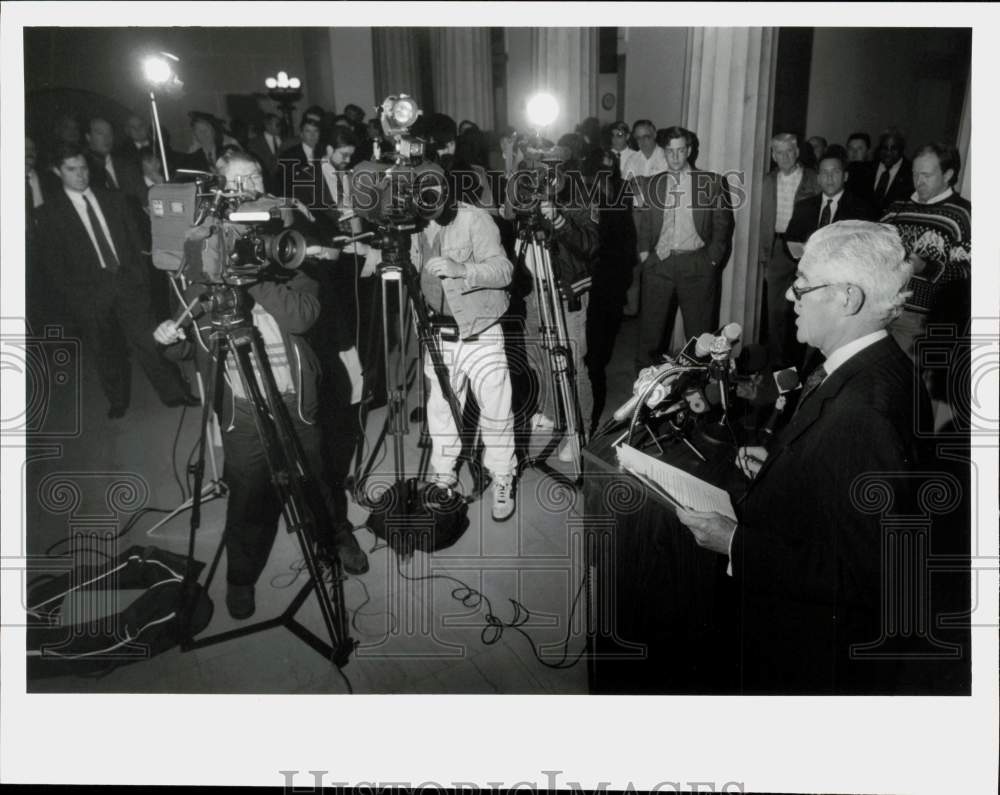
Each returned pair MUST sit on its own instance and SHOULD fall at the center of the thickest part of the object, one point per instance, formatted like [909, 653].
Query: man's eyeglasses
[798, 292]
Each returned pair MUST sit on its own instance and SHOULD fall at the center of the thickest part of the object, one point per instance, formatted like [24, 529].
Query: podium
[662, 614]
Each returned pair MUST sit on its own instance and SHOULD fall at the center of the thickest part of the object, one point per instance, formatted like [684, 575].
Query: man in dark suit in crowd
[90, 250]
[834, 203]
[893, 180]
[299, 169]
[684, 235]
[783, 187]
[860, 168]
[136, 139]
[807, 551]
[110, 171]
[266, 147]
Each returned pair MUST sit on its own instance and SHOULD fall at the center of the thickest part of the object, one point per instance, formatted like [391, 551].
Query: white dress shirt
[834, 202]
[273, 143]
[641, 166]
[892, 174]
[80, 203]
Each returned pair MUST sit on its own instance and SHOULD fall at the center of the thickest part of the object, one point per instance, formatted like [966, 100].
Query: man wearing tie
[894, 175]
[90, 249]
[266, 148]
[808, 551]
[834, 203]
[108, 171]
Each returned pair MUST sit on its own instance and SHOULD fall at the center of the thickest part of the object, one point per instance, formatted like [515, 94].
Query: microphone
[642, 383]
[784, 381]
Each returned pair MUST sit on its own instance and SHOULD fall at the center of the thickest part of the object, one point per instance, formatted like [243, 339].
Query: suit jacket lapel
[813, 408]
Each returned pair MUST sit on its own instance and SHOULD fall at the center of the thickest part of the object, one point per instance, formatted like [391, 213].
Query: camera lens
[287, 249]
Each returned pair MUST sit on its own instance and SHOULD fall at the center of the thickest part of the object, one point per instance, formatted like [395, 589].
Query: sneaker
[352, 556]
[503, 497]
[240, 601]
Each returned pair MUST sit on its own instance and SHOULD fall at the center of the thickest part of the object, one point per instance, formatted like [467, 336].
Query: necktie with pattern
[824, 217]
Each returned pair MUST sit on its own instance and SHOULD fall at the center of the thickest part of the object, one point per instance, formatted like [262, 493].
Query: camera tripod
[534, 251]
[303, 509]
[398, 278]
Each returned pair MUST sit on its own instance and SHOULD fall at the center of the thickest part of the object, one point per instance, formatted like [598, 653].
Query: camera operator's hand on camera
[168, 332]
[323, 252]
[373, 258]
[445, 268]
[549, 211]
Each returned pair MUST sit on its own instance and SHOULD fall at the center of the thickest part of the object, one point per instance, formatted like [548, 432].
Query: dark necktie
[103, 244]
[812, 382]
[882, 187]
[824, 217]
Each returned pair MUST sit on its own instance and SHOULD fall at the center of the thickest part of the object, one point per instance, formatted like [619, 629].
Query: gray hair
[234, 155]
[785, 138]
[868, 255]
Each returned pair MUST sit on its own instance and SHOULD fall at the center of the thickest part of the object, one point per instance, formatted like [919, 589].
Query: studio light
[157, 70]
[399, 114]
[542, 110]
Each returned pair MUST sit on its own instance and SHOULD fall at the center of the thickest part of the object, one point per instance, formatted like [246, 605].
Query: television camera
[241, 232]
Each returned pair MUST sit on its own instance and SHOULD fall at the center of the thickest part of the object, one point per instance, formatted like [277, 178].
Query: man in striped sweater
[935, 227]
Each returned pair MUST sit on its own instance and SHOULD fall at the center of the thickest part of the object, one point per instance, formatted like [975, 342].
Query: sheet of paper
[688, 490]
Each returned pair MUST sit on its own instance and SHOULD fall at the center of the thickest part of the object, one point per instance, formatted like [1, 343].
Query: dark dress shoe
[116, 412]
[240, 601]
[187, 400]
[347, 548]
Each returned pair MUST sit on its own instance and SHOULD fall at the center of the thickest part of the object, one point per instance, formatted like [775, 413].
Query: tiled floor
[412, 636]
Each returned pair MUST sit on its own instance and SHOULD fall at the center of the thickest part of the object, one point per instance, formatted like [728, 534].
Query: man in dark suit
[860, 168]
[783, 187]
[266, 147]
[808, 549]
[135, 140]
[893, 179]
[299, 167]
[684, 234]
[834, 203]
[112, 172]
[90, 249]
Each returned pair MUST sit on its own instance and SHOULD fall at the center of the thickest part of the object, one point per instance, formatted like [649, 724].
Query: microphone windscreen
[703, 346]
[787, 379]
[732, 331]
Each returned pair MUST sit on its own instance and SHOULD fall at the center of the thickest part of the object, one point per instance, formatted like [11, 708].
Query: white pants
[482, 364]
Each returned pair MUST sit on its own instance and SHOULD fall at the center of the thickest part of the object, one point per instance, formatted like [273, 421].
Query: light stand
[159, 72]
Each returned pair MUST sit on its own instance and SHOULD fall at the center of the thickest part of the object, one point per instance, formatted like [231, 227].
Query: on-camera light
[542, 110]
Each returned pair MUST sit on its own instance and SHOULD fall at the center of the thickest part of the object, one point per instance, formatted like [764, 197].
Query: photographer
[573, 232]
[464, 275]
[283, 311]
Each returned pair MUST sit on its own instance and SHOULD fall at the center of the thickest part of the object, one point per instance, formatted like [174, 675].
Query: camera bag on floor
[427, 518]
[146, 627]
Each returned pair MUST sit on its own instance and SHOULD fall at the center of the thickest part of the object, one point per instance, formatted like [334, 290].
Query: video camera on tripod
[397, 189]
[247, 232]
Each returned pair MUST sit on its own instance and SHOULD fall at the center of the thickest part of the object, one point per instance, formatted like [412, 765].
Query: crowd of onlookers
[649, 258]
